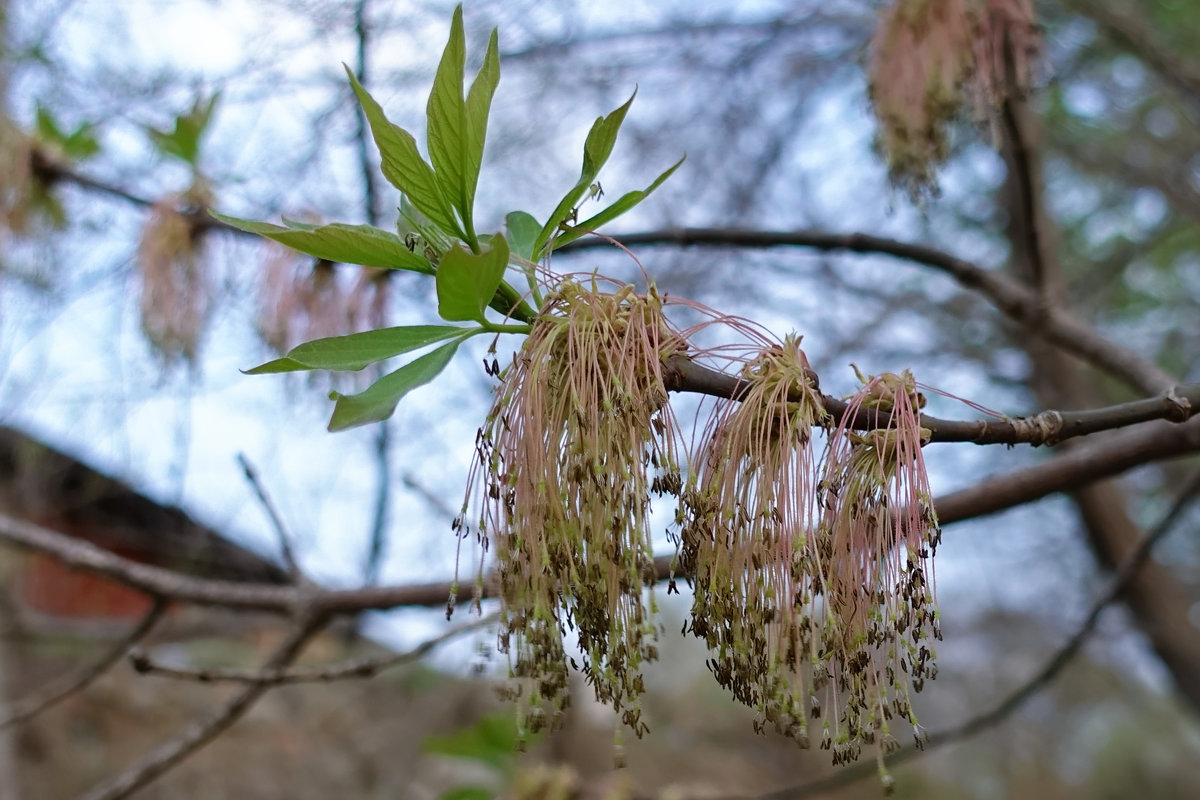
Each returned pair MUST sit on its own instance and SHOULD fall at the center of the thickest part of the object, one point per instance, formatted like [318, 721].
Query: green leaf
[183, 141]
[626, 202]
[478, 108]
[457, 128]
[466, 283]
[600, 139]
[492, 741]
[379, 401]
[446, 133]
[357, 350]
[78, 144]
[596, 150]
[47, 126]
[523, 230]
[403, 166]
[348, 244]
[81, 143]
[276, 366]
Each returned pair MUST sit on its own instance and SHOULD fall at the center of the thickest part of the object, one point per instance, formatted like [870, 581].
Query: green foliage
[359, 350]
[403, 165]
[183, 140]
[626, 202]
[77, 145]
[466, 283]
[457, 127]
[349, 244]
[596, 150]
[491, 741]
[436, 233]
[523, 231]
[379, 401]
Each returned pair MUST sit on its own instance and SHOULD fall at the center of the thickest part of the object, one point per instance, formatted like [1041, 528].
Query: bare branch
[1038, 681]
[1046, 427]
[1081, 466]
[1018, 302]
[34, 704]
[286, 548]
[202, 731]
[357, 668]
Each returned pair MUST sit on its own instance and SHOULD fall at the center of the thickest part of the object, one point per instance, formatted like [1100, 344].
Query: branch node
[1179, 408]
[1040, 429]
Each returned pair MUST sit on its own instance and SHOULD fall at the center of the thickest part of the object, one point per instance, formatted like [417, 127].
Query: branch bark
[1009, 296]
[203, 731]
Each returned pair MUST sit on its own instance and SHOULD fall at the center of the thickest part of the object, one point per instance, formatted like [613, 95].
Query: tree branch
[356, 668]
[286, 546]
[1079, 467]
[1046, 427]
[1015, 300]
[203, 731]
[1088, 463]
[34, 704]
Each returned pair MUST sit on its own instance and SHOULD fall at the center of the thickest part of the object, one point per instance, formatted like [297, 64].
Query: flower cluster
[811, 575]
[929, 58]
[747, 520]
[300, 301]
[808, 542]
[877, 534]
[579, 438]
[177, 291]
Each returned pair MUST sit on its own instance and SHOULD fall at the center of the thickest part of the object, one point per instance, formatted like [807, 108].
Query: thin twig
[1019, 302]
[383, 486]
[34, 704]
[286, 542]
[356, 668]
[203, 731]
[429, 496]
[1039, 680]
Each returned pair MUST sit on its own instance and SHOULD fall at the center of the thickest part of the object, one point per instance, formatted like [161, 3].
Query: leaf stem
[492, 327]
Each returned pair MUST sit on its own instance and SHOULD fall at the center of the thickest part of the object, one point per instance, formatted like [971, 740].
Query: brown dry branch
[353, 669]
[202, 731]
[284, 536]
[57, 691]
[1017, 301]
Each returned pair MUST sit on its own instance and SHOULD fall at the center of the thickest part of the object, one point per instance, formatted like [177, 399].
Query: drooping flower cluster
[811, 577]
[810, 566]
[749, 513]
[177, 290]
[300, 301]
[877, 534]
[579, 438]
[929, 58]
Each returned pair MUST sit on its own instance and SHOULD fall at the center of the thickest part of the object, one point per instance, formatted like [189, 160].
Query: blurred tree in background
[126, 311]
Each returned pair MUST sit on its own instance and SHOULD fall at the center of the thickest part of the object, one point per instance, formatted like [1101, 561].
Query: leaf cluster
[437, 210]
